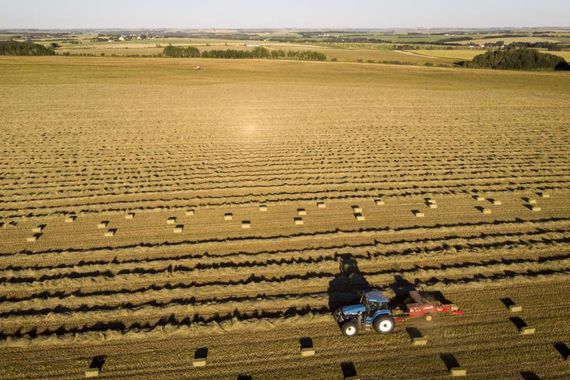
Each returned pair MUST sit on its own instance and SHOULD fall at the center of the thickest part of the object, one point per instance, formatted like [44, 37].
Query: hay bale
[485, 211]
[171, 220]
[38, 228]
[531, 201]
[307, 351]
[359, 217]
[356, 209]
[70, 218]
[321, 205]
[419, 341]
[496, 202]
[527, 330]
[352, 378]
[262, 208]
[190, 212]
[33, 238]
[130, 215]
[245, 224]
[178, 229]
[298, 221]
[535, 208]
[479, 198]
[102, 224]
[432, 205]
[418, 214]
[92, 372]
[379, 202]
[544, 195]
[228, 216]
[199, 362]
[301, 212]
[458, 372]
[515, 308]
[111, 232]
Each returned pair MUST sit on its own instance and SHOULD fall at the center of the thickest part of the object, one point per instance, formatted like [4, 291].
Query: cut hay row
[388, 251]
[484, 272]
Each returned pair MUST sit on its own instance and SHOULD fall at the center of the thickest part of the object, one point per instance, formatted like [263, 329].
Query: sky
[193, 14]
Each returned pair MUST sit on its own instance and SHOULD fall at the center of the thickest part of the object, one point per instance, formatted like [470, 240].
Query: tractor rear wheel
[349, 328]
[384, 324]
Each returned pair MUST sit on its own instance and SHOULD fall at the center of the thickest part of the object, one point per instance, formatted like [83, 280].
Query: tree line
[518, 59]
[258, 52]
[24, 48]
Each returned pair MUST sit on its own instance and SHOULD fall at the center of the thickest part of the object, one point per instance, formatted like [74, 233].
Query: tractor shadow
[346, 287]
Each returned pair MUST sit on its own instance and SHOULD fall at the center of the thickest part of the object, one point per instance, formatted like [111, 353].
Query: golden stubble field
[125, 184]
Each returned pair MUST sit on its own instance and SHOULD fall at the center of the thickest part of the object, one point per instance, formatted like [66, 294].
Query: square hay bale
[178, 229]
[38, 228]
[352, 378]
[419, 341]
[262, 208]
[479, 198]
[535, 208]
[33, 238]
[92, 372]
[486, 211]
[245, 224]
[419, 214]
[379, 202]
[544, 195]
[321, 205]
[359, 217]
[111, 232]
[515, 308]
[190, 212]
[130, 215]
[432, 205]
[458, 372]
[307, 351]
[228, 216]
[356, 209]
[70, 218]
[496, 202]
[531, 201]
[171, 220]
[199, 362]
[102, 224]
[298, 221]
[301, 212]
[527, 330]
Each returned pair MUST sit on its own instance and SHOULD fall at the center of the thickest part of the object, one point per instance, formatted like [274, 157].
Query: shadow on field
[348, 369]
[346, 286]
[98, 362]
[529, 375]
[449, 360]
[563, 350]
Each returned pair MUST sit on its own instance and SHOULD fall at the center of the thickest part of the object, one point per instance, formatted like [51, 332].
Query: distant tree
[517, 59]
[24, 48]
[181, 52]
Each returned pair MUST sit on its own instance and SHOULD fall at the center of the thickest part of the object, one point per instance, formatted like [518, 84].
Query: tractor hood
[353, 310]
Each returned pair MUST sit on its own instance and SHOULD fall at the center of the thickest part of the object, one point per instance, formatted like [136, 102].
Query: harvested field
[194, 156]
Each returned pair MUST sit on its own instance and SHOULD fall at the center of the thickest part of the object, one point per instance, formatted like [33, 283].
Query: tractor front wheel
[384, 325]
[349, 328]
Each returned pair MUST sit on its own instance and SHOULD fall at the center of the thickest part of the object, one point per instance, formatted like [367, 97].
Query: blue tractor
[372, 311]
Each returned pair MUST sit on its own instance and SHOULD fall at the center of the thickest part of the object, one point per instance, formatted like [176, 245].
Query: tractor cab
[372, 311]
